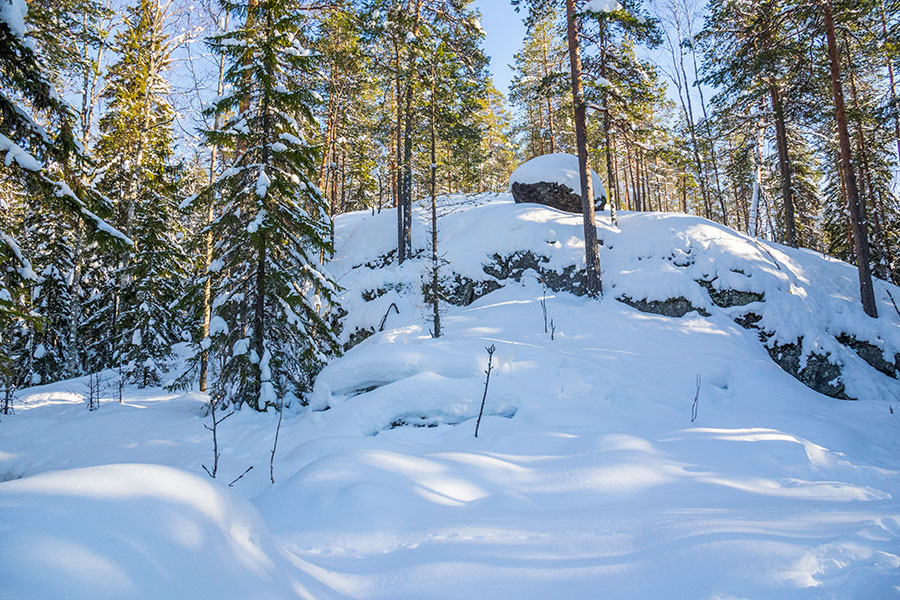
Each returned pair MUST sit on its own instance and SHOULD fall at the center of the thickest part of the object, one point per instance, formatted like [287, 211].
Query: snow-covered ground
[588, 478]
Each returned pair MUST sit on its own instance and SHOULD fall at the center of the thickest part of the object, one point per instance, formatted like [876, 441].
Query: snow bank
[134, 531]
[556, 168]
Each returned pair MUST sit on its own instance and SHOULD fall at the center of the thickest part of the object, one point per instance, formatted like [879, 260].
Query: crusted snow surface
[588, 476]
[556, 168]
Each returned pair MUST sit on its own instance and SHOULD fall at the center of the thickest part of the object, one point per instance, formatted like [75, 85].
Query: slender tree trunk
[784, 166]
[401, 205]
[712, 144]
[890, 70]
[857, 210]
[208, 241]
[549, 103]
[329, 131]
[868, 191]
[435, 299]
[591, 251]
[757, 182]
[689, 114]
[407, 173]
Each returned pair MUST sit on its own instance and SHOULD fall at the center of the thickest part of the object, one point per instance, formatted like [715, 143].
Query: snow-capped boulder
[553, 180]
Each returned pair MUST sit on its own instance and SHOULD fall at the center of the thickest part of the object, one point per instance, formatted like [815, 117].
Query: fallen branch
[384, 318]
[239, 477]
[892, 302]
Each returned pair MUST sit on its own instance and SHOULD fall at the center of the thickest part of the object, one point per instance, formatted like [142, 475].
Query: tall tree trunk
[549, 103]
[435, 299]
[208, 240]
[753, 221]
[408, 173]
[591, 251]
[869, 199]
[890, 70]
[709, 137]
[857, 210]
[784, 165]
[687, 106]
[398, 176]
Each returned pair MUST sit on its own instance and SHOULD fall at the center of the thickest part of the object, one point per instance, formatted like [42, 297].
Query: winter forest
[292, 304]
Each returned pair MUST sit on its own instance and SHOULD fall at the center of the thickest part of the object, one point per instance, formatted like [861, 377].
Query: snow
[14, 152]
[25, 271]
[12, 12]
[135, 531]
[588, 473]
[556, 168]
[240, 347]
[262, 183]
[217, 326]
[602, 6]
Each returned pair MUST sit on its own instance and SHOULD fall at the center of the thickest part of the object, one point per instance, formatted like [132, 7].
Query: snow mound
[801, 307]
[556, 168]
[134, 531]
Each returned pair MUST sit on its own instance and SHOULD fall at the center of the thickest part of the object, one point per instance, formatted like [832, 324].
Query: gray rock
[672, 307]
[819, 374]
[729, 298]
[554, 195]
[872, 354]
[462, 291]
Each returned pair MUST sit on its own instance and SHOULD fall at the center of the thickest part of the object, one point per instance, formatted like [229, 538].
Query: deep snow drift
[589, 478]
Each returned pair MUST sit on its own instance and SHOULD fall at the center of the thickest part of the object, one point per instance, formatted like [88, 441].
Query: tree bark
[857, 210]
[435, 300]
[784, 166]
[591, 251]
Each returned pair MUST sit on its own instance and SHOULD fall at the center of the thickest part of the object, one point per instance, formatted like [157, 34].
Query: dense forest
[171, 168]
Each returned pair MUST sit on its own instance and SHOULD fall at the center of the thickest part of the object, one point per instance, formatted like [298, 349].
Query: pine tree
[271, 327]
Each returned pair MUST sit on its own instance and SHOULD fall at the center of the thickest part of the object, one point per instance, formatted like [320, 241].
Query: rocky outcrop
[728, 298]
[554, 195]
[462, 291]
[818, 373]
[570, 279]
[671, 307]
[872, 354]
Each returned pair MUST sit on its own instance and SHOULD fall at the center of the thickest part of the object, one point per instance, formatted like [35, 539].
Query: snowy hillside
[588, 479]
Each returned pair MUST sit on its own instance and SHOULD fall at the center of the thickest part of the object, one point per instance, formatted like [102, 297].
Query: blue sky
[504, 32]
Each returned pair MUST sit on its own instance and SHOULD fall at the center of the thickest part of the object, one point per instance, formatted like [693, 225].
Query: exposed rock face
[819, 373]
[672, 307]
[514, 266]
[816, 371]
[729, 298]
[554, 195]
[357, 337]
[872, 354]
[462, 291]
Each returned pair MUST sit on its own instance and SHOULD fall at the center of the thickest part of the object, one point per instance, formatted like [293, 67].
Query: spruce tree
[271, 326]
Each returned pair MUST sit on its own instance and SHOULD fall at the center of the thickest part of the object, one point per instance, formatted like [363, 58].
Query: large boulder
[553, 180]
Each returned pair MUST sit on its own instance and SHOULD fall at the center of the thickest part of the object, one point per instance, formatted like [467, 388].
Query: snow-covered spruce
[271, 224]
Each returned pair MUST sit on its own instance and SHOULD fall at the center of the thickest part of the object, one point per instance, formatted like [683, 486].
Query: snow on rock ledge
[134, 531]
[800, 306]
[553, 180]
